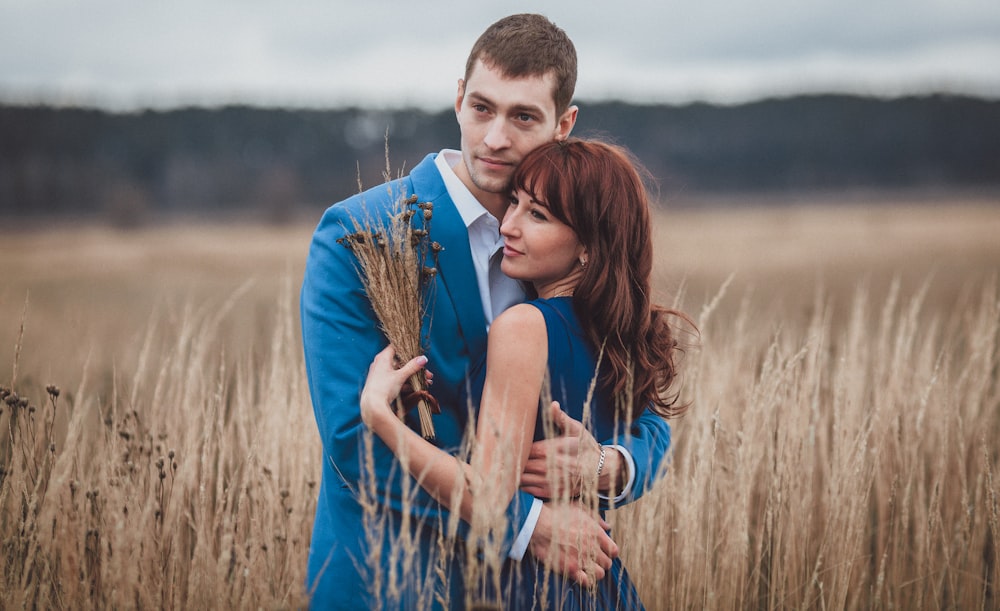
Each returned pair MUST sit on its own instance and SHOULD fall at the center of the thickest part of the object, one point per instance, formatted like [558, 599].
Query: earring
[583, 263]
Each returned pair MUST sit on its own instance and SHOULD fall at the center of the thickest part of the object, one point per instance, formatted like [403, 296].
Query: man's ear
[459, 96]
[566, 122]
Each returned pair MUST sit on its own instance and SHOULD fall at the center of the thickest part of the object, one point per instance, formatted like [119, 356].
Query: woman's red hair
[597, 189]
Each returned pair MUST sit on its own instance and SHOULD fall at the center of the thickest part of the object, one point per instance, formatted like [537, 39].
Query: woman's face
[538, 247]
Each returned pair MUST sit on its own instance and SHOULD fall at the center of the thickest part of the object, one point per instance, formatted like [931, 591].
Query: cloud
[316, 52]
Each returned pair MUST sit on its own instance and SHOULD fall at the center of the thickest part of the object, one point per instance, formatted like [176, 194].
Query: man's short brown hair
[529, 45]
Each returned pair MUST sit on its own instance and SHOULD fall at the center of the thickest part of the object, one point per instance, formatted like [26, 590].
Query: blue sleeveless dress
[572, 362]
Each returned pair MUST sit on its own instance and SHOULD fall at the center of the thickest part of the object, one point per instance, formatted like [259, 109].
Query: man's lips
[497, 164]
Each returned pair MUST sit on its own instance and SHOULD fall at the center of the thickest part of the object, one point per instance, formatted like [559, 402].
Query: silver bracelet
[600, 463]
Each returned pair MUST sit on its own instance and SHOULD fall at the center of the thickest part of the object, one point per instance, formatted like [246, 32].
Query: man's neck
[495, 203]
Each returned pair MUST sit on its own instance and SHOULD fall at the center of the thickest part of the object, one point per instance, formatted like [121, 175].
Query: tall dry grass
[833, 465]
[167, 471]
[840, 452]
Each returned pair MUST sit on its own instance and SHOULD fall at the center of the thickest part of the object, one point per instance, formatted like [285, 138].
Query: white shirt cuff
[521, 542]
[630, 466]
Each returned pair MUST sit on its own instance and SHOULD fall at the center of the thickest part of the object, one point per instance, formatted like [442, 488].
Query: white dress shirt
[496, 291]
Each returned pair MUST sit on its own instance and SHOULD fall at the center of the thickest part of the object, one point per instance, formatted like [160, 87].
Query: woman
[577, 230]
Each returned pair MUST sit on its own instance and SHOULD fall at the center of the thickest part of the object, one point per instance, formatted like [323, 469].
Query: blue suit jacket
[341, 337]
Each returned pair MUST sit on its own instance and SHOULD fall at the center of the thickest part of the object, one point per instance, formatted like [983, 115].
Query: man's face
[502, 120]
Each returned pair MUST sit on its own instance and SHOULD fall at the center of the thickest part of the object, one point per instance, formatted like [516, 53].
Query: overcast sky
[162, 53]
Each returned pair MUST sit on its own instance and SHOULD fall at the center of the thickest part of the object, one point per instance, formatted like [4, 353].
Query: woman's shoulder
[523, 317]
[518, 337]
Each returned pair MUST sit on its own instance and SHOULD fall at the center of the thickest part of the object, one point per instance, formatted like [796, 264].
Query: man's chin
[493, 182]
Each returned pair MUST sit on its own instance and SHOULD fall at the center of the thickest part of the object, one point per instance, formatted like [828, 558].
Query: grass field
[841, 450]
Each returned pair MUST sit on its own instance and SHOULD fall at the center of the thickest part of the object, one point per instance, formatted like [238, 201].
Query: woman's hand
[557, 467]
[383, 385]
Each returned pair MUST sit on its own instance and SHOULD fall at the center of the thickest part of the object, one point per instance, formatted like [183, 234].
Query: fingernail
[422, 359]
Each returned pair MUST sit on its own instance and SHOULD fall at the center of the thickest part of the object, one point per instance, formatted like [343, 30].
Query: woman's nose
[507, 225]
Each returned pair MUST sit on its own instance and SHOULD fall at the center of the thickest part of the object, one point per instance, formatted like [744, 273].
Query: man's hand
[556, 467]
[572, 541]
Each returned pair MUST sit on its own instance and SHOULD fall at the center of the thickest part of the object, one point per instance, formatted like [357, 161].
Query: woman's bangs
[542, 175]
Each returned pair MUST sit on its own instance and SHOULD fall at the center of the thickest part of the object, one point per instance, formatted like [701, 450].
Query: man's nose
[496, 135]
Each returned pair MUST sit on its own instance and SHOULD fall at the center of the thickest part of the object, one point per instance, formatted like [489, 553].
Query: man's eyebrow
[530, 108]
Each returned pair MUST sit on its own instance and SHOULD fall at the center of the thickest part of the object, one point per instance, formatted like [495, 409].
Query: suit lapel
[456, 273]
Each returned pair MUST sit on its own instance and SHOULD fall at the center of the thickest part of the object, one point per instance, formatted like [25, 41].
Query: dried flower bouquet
[394, 263]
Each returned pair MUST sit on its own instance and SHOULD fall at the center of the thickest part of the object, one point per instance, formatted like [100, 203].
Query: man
[377, 538]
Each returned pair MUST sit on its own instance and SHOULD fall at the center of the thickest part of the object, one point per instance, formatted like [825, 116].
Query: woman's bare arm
[515, 368]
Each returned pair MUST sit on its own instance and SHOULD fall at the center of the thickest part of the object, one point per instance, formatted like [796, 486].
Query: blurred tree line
[79, 163]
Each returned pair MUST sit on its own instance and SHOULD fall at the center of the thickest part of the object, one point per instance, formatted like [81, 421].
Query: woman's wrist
[610, 476]
[373, 411]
